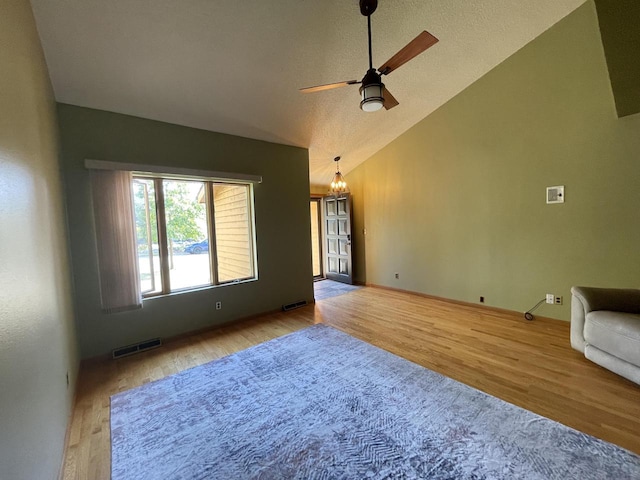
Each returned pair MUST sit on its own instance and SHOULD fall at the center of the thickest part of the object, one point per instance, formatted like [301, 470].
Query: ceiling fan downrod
[367, 7]
[372, 89]
[370, 48]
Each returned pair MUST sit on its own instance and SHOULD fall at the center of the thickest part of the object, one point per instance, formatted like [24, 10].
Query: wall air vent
[136, 348]
[291, 306]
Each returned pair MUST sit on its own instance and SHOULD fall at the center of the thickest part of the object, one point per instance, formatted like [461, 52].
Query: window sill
[199, 289]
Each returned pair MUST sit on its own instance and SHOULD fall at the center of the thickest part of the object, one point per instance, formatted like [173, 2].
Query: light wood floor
[529, 364]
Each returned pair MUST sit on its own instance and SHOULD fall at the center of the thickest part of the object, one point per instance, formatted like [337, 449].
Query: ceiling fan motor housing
[367, 7]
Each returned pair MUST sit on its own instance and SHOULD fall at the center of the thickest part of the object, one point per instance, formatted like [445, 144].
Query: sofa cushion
[616, 333]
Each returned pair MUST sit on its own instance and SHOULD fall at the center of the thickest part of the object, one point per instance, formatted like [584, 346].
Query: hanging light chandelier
[338, 185]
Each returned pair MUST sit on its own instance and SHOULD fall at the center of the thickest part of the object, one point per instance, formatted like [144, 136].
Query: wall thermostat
[555, 194]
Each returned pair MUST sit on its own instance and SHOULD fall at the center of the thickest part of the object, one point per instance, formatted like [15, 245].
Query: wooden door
[337, 238]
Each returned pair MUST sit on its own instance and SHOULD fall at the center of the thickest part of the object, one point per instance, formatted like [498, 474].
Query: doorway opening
[336, 236]
[315, 209]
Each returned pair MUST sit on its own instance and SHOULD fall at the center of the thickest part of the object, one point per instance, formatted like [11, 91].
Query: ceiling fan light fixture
[372, 91]
[372, 99]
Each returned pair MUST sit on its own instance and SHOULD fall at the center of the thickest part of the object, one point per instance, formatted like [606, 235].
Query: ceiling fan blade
[413, 48]
[328, 86]
[389, 100]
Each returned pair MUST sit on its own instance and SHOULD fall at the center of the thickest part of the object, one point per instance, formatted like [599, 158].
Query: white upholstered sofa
[605, 326]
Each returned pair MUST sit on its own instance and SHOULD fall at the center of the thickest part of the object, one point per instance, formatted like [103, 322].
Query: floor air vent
[136, 348]
[291, 306]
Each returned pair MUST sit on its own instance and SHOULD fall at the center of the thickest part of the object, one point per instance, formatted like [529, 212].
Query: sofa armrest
[614, 299]
[589, 299]
[578, 314]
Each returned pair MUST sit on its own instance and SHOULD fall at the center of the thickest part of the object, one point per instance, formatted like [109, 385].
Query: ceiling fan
[374, 93]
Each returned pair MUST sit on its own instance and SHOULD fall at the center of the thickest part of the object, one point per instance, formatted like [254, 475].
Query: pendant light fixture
[338, 185]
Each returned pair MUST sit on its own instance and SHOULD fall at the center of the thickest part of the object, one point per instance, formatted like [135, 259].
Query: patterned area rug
[328, 288]
[319, 404]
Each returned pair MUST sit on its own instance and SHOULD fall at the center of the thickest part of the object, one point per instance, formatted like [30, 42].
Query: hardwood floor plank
[529, 364]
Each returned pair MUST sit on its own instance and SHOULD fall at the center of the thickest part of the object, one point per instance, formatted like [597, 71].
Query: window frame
[163, 247]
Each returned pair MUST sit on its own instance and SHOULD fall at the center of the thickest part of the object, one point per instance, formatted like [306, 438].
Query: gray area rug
[320, 404]
[328, 288]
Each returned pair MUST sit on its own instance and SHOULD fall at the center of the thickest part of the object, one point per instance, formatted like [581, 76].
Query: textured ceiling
[235, 66]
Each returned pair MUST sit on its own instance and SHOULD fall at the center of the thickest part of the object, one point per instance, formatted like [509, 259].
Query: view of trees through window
[182, 219]
[144, 202]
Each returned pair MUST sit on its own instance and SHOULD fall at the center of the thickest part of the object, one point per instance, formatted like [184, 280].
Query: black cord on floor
[528, 315]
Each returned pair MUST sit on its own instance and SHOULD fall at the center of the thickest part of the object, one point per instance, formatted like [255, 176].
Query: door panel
[337, 238]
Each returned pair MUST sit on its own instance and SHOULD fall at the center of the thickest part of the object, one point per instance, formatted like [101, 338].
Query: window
[175, 222]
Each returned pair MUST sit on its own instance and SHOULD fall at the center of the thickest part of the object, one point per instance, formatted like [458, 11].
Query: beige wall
[37, 339]
[456, 205]
[320, 189]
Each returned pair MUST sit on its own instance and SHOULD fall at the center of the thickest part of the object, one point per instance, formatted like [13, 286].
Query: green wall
[456, 205]
[619, 21]
[38, 346]
[281, 211]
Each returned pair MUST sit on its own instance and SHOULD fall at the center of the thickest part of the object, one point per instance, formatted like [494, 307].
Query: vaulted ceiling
[235, 66]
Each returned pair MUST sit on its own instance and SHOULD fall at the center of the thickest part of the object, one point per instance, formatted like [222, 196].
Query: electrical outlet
[558, 300]
[67, 379]
[481, 299]
[218, 305]
[397, 275]
[551, 298]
